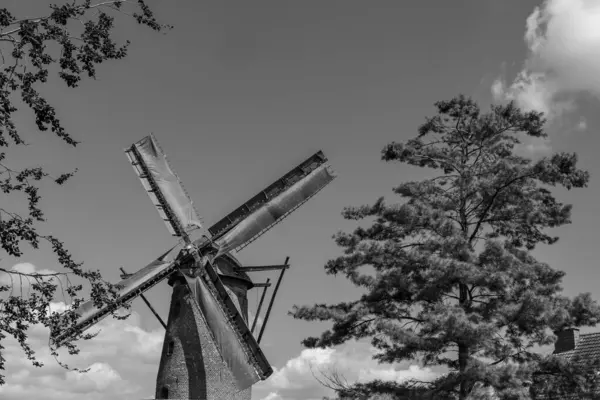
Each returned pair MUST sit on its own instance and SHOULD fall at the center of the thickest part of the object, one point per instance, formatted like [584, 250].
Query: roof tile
[588, 348]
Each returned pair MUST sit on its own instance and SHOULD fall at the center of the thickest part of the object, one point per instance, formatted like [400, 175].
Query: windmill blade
[130, 288]
[231, 334]
[163, 186]
[275, 210]
[261, 212]
[277, 187]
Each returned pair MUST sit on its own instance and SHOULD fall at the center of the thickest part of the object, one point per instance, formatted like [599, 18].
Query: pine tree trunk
[463, 348]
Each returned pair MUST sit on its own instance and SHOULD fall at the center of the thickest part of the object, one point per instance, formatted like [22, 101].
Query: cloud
[391, 374]
[296, 380]
[122, 360]
[563, 37]
[272, 396]
[533, 147]
[98, 378]
[21, 282]
[28, 268]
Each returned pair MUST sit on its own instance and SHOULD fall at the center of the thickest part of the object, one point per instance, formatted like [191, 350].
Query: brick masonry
[190, 365]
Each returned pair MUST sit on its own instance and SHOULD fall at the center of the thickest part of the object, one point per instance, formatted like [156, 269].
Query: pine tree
[454, 282]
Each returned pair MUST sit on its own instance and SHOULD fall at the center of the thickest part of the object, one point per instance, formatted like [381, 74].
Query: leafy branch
[69, 43]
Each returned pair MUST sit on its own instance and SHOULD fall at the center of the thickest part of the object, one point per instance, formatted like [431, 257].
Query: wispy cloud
[563, 38]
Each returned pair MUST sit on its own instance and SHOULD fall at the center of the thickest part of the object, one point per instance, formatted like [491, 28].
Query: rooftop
[588, 347]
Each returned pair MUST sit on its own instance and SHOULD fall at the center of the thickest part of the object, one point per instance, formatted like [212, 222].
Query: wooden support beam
[262, 328]
[261, 268]
[260, 303]
[147, 302]
[265, 285]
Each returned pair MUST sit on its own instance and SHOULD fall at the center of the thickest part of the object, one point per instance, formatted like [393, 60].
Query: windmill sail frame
[163, 186]
[273, 190]
[219, 302]
[130, 288]
[262, 219]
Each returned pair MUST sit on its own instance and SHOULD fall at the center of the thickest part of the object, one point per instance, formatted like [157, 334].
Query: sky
[240, 92]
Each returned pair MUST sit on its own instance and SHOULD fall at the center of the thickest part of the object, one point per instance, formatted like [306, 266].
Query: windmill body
[190, 365]
[209, 352]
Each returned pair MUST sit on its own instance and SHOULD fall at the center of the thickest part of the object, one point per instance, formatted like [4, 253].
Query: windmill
[209, 351]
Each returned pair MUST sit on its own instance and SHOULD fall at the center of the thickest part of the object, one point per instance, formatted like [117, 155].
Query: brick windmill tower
[209, 351]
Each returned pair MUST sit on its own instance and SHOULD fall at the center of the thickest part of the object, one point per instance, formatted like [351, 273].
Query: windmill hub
[227, 266]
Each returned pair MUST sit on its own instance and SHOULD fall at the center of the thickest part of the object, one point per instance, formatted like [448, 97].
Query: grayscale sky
[239, 92]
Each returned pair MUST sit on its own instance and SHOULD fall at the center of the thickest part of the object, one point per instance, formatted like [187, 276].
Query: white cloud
[392, 374]
[98, 378]
[272, 396]
[563, 38]
[353, 360]
[27, 268]
[21, 283]
[122, 361]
